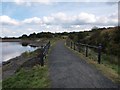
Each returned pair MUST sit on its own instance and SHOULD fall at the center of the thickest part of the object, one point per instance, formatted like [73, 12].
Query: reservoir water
[10, 50]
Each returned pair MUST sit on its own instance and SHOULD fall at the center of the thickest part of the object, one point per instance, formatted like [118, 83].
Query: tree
[24, 36]
[33, 35]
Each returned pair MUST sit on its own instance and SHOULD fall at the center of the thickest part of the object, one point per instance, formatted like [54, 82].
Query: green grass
[37, 77]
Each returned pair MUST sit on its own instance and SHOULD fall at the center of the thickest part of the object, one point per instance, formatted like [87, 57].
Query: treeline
[37, 35]
[42, 35]
[108, 37]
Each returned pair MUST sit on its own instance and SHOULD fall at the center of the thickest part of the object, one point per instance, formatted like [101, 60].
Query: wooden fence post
[99, 53]
[49, 45]
[86, 50]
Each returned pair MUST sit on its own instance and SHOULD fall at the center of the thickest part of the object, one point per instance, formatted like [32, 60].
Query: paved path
[67, 70]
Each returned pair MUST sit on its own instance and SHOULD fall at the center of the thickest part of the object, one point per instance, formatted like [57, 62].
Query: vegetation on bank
[108, 37]
[35, 77]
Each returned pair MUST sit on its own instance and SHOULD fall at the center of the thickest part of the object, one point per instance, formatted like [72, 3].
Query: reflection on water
[12, 49]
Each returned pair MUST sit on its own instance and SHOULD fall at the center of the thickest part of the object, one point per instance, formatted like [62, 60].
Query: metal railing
[73, 45]
[44, 52]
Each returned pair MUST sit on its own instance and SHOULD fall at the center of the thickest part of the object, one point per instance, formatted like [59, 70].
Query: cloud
[34, 20]
[60, 16]
[64, 20]
[22, 2]
[113, 1]
[19, 2]
[48, 19]
[86, 18]
[30, 29]
[75, 26]
[61, 0]
[30, 2]
[56, 22]
[47, 2]
[110, 20]
[83, 18]
[6, 20]
[57, 19]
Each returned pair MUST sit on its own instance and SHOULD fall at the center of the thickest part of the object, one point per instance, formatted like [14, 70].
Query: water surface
[12, 49]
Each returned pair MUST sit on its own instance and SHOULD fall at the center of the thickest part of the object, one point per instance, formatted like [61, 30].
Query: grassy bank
[35, 77]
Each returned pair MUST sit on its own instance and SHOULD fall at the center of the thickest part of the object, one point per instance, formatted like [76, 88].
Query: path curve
[67, 70]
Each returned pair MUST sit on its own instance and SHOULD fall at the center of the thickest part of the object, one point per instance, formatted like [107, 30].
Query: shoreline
[23, 43]
[10, 67]
[10, 40]
[26, 42]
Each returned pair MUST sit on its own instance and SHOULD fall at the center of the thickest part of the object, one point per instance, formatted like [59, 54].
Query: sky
[18, 17]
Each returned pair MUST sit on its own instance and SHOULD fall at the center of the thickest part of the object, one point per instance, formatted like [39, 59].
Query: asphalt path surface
[68, 70]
